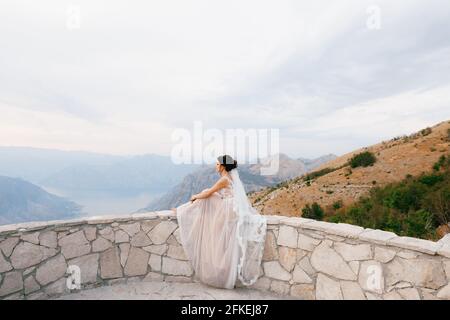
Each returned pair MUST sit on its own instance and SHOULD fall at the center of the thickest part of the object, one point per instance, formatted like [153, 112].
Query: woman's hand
[194, 197]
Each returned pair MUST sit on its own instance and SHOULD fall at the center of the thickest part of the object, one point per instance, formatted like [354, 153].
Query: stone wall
[304, 258]
[34, 257]
[319, 260]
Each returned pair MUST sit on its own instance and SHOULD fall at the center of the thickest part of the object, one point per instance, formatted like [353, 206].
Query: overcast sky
[136, 70]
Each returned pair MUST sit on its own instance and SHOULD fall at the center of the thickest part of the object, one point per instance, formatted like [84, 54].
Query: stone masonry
[302, 258]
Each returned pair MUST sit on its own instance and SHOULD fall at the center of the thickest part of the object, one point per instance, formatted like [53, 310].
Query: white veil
[251, 233]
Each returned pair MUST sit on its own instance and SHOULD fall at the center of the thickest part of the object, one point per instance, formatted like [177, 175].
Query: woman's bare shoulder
[224, 180]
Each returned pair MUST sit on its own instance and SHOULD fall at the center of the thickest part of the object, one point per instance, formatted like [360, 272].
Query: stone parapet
[302, 258]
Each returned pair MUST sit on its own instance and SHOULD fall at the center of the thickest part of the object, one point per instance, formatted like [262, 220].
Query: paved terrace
[159, 290]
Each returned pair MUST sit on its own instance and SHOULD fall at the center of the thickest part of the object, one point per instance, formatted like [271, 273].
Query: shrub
[314, 211]
[431, 180]
[338, 205]
[319, 173]
[425, 131]
[282, 185]
[363, 159]
[337, 218]
[438, 203]
[443, 162]
[436, 167]
[404, 196]
[419, 223]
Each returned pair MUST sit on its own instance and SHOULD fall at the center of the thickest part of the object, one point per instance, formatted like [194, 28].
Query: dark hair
[228, 162]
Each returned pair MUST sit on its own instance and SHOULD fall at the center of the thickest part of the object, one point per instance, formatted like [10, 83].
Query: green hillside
[414, 207]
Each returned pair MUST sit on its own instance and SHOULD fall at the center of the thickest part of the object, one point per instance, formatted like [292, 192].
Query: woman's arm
[221, 183]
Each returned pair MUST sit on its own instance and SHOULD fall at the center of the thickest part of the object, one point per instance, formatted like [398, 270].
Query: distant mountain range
[146, 173]
[249, 174]
[311, 164]
[99, 183]
[37, 164]
[21, 201]
[29, 176]
[74, 172]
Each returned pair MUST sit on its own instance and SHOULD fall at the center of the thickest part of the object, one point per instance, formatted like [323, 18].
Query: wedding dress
[223, 236]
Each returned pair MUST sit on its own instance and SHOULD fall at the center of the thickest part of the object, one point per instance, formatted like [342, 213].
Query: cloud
[134, 72]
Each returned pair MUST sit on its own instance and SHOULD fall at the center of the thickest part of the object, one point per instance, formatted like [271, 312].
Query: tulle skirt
[208, 235]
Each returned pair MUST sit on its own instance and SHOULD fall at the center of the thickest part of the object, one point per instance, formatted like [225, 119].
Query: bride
[222, 234]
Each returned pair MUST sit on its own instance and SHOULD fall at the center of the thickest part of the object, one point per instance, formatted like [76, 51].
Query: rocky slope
[397, 158]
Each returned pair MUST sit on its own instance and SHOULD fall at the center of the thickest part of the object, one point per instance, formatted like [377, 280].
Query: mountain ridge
[249, 173]
[88, 172]
[22, 201]
[395, 159]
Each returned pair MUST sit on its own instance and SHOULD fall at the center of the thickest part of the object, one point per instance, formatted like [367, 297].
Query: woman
[222, 235]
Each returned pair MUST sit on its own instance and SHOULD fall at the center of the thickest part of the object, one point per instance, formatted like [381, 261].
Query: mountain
[79, 172]
[335, 180]
[146, 173]
[36, 164]
[249, 174]
[311, 164]
[22, 201]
